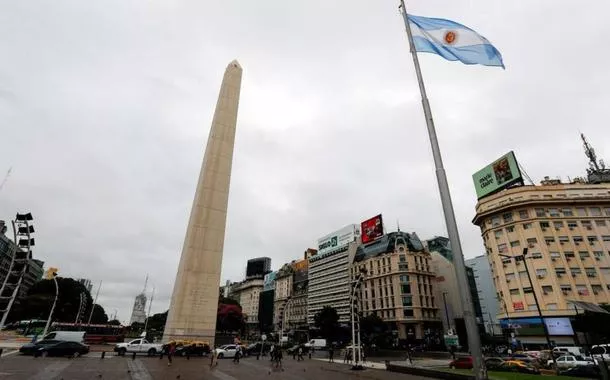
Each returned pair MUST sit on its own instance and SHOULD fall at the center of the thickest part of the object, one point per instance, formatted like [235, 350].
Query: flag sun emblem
[450, 37]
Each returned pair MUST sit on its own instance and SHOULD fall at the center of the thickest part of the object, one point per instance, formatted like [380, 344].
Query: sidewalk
[372, 365]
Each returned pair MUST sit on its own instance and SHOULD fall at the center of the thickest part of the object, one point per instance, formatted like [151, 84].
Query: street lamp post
[357, 359]
[46, 327]
[529, 277]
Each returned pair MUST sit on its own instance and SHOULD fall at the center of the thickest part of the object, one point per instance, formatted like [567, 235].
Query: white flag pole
[474, 341]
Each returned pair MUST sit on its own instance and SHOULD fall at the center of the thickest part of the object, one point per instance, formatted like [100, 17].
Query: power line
[8, 173]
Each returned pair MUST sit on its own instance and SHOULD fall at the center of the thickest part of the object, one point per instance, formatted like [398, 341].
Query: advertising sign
[559, 326]
[269, 281]
[372, 229]
[497, 176]
[300, 270]
[337, 239]
[518, 306]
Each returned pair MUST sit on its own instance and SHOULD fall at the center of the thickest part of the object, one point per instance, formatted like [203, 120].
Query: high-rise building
[297, 314]
[486, 291]
[266, 304]
[566, 230]
[283, 292]
[258, 267]
[328, 274]
[399, 286]
[192, 311]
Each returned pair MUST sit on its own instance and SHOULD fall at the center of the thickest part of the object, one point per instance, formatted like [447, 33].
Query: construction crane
[8, 173]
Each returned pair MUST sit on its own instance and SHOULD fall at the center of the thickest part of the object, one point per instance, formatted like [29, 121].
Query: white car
[226, 351]
[140, 346]
[569, 361]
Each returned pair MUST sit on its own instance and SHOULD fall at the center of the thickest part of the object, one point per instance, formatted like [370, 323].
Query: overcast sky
[105, 109]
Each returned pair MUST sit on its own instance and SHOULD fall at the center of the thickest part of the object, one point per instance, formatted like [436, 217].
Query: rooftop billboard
[337, 239]
[269, 281]
[372, 229]
[497, 176]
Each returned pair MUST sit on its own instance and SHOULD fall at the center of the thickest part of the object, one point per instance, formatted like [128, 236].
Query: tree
[229, 318]
[37, 304]
[99, 315]
[372, 326]
[157, 321]
[114, 322]
[327, 320]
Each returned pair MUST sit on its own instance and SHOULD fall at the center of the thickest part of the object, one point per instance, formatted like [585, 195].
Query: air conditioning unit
[540, 276]
[553, 258]
[508, 280]
[531, 246]
[597, 258]
[568, 259]
[595, 292]
[545, 293]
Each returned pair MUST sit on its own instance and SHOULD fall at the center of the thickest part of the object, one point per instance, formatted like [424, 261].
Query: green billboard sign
[499, 175]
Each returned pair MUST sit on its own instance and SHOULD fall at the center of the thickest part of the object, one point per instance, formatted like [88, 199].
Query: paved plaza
[13, 367]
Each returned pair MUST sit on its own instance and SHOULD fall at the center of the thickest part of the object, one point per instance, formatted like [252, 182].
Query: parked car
[569, 361]
[568, 350]
[226, 351]
[73, 349]
[462, 363]
[68, 336]
[193, 349]
[493, 363]
[518, 366]
[141, 346]
[31, 348]
[587, 371]
[316, 343]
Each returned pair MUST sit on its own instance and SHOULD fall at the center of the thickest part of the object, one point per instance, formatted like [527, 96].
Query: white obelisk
[192, 311]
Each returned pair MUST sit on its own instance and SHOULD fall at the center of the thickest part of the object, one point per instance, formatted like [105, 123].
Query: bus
[95, 334]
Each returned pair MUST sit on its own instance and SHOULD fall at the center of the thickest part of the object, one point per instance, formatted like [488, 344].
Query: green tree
[114, 322]
[327, 320]
[37, 304]
[99, 315]
[372, 327]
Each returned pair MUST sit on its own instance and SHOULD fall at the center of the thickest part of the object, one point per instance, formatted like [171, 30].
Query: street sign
[451, 340]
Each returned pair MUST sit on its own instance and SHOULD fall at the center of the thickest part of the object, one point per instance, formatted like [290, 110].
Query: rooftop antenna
[145, 283]
[590, 153]
[8, 173]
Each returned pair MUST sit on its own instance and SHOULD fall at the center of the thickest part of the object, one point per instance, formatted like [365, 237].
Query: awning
[588, 306]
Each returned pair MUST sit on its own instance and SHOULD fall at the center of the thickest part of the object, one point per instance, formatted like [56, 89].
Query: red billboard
[371, 229]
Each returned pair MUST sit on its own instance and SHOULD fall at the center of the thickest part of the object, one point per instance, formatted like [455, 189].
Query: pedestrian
[331, 354]
[409, 355]
[278, 359]
[310, 351]
[214, 361]
[272, 352]
[346, 358]
[237, 354]
[171, 349]
[163, 351]
[300, 356]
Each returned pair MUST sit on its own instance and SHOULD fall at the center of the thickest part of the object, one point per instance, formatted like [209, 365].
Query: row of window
[569, 255]
[558, 225]
[581, 289]
[540, 212]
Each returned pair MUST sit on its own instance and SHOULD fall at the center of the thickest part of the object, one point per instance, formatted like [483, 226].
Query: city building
[138, 313]
[259, 266]
[248, 293]
[486, 290]
[328, 273]
[266, 304]
[283, 292]
[399, 286]
[192, 310]
[566, 230]
[86, 283]
[296, 315]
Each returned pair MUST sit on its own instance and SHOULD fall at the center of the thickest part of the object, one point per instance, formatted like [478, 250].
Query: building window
[508, 217]
[564, 240]
[572, 225]
[567, 212]
[582, 290]
[532, 307]
[581, 211]
[549, 240]
[510, 277]
[540, 212]
[592, 239]
[606, 238]
[575, 271]
[404, 279]
[402, 258]
[596, 289]
[510, 229]
[532, 241]
[598, 255]
[600, 223]
[586, 224]
[405, 289]
[514, 292]
[541, 272]
[524, 214]
[595, 211]
[607, 211]
[566, 288]
[502, 248]
[528, 290]
[544, 225]
[536, 255]
[583, 255]
[547, 289]
[515, 243]
[553, 212]
[558, 225]
[408, 313]
[577, 240]
[560, 272]
[591, 272]
[498, 233]
[527, 226]
[551, 306]
[495, 221]
[555, 255]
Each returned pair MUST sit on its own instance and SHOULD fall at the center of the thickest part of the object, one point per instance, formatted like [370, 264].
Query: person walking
[237, 354]
[300, 354]
[331, 354]
[214, 360]
[171, 349]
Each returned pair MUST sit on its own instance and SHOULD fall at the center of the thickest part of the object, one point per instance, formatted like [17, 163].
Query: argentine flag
[452, 41]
